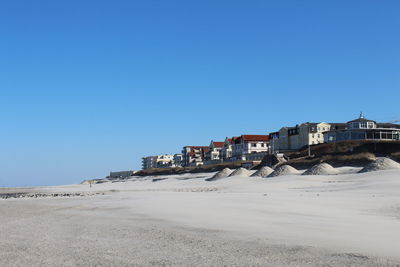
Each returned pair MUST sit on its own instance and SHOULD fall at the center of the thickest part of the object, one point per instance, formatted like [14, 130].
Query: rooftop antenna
[361, 115]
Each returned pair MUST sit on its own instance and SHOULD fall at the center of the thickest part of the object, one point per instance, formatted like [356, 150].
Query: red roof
[231, 140]
[218, 144]
[253, 137]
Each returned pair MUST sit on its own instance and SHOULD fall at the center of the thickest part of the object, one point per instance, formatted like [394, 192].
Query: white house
[213, 155]
[249, 144]
[299, 136]
[193, 155]
[159, 161]
[226, 150]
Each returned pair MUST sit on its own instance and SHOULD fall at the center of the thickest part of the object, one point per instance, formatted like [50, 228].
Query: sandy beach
[183, 220]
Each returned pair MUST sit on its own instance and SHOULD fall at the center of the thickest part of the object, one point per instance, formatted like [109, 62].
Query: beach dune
[292, 220]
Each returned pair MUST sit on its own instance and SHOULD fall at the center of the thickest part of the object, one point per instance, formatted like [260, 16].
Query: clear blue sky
[87, 87]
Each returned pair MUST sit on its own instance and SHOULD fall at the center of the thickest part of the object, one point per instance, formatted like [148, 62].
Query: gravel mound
[284, 170]
[321, 169]
[263, 172]
[221, 174]
[381, 164]
[240, 172]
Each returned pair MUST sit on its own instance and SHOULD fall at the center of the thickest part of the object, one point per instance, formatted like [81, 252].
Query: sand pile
[240, 172]
[284, 170]
[321, 169]
[263, 172]
[381, 164]
[221, 174]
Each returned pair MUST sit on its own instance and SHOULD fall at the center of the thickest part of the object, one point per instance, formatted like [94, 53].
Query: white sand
[321, 169]
[240, 172]
[284, 170]
[381, 164]
[332, 220]
[263, 172]
[221, 174]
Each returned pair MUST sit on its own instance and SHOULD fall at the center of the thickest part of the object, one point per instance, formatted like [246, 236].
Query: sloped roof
[311, 123]
[206, 149]
[361, 120]
[198, 147]
[218, 144]
[252, 137]
[231, 140]
[388, 125]
[337, 123]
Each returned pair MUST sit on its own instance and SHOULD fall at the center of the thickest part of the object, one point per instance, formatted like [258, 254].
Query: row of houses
[253, 148]
[237, 148]
[308, 134]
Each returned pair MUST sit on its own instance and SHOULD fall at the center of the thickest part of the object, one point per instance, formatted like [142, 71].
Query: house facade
[213, 155]
[249, 144]
[178, 159]
[299, 136]
[194, 155]
[149, 162]
[159, 161]
[364, 129]
[226, 150]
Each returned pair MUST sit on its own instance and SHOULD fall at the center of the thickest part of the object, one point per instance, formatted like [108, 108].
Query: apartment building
[249, 144]
[194, 155]
[299, 136]
[159, 161]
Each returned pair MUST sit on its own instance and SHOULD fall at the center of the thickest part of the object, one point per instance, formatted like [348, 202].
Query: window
[354, 125]
[254, 145]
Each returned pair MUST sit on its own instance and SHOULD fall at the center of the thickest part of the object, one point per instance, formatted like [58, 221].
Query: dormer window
[371, 125]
